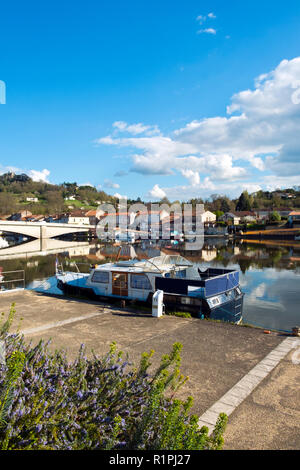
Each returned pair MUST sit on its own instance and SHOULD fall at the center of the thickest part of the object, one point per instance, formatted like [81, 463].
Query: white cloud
[110, 184]
[121, 173]
[120, 196]
[35, 175]
[211, 15]
[207, 31]
[256, 145]
[135, 129]
[39, 175]
[156, 192]
[201, 18]
[192, 176]
[86, 184]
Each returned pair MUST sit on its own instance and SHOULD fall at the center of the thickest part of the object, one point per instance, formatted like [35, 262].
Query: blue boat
[213, 293]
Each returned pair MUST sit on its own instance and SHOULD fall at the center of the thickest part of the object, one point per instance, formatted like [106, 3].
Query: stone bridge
[43, 247]
[42, 229]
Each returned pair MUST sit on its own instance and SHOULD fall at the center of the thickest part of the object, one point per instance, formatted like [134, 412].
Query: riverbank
[215, 355]
[272, 234]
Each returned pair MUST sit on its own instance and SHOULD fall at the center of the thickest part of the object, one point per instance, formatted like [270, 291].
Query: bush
[275, 217]
[47, 402]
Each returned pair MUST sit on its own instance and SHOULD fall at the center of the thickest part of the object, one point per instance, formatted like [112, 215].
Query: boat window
[181, 274]
[140, 281]
[101, 276]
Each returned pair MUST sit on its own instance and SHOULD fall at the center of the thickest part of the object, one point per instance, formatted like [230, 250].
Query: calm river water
[269, 273]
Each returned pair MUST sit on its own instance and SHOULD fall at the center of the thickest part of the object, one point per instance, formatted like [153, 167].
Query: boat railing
[11, 280]
[72, 275]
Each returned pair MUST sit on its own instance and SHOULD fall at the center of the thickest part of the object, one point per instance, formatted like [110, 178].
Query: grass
[179, 314]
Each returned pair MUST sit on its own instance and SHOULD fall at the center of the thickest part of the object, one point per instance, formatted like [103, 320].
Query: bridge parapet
[42, 229]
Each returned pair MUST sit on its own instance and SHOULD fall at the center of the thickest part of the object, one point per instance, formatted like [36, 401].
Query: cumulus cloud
[35, 175]
[156, 192]
[39, 175]
[120, 196]
[257, 142]
[192, 176]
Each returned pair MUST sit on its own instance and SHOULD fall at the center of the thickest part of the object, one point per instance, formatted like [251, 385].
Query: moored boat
[213, 293]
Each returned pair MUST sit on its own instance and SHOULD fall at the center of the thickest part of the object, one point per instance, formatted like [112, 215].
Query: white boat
[3, 243]
[213, 293]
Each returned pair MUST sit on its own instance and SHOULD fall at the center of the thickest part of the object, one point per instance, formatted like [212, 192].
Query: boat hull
[230, 311]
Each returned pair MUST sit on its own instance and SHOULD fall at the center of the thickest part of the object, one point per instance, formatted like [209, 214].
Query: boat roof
[163, 263]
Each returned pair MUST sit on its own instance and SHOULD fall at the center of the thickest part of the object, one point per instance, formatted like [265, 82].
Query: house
[92, 215]
[76, 217]
[283, 195]
[32, 199]
[230, 217]
[208, 255]
[294, 216]
[264, 214]
[207, 217]
[238, 217]
[38, 218]
[70, 198]
[246, 216]
[23, 215]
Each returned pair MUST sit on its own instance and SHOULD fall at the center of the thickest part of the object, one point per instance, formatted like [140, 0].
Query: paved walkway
[240, 391]
[269, 418]
[240, 371]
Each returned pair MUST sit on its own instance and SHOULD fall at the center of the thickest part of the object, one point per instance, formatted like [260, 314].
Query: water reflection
[270, 272]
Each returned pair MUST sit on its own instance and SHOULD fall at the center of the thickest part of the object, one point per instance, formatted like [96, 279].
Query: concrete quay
[251, 376]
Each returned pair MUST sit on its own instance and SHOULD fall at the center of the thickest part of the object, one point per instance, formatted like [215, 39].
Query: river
[269, 272]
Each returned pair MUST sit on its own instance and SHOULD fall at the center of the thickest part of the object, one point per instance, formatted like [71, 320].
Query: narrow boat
[213, 293]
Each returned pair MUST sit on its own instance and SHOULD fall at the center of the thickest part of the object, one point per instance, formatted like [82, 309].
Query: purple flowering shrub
[47, 402]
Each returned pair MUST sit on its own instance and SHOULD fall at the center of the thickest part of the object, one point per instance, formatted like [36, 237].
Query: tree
[275, 217]
[244, 202]
[55, 202]
[225, 204]
[7, 203]
[219, 214]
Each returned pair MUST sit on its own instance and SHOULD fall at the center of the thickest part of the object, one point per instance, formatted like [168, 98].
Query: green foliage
[46, 402]
[15, 188]
[219, 214]
[244, 203]
[274, 216]
[179, 314]
[15, 365]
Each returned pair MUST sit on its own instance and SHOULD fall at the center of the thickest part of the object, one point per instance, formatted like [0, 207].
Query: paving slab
[269, 418]
[215, 356]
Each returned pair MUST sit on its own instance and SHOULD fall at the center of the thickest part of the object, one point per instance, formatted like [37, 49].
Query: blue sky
[152, 98]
